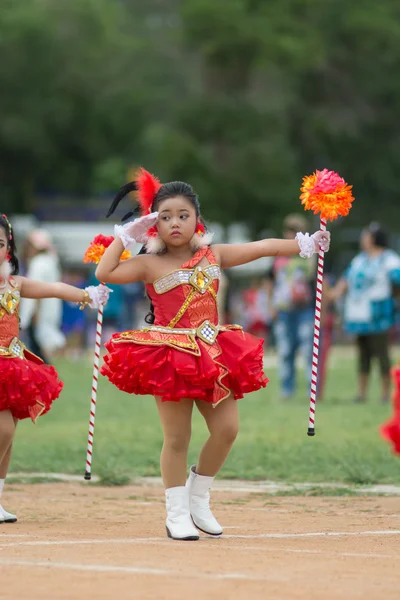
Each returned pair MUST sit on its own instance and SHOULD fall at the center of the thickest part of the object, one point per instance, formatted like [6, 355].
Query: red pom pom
[103, 240]
[97, 248]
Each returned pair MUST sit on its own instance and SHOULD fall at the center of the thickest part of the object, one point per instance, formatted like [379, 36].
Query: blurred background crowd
[241, 98]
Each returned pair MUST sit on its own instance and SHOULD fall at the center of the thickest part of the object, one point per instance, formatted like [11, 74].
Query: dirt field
[83, 541]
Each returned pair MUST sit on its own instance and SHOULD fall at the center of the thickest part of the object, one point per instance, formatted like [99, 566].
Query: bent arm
[111, 270]
[232, 255]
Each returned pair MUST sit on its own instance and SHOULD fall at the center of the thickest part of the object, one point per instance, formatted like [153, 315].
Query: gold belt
[15, 349]
[206, 331]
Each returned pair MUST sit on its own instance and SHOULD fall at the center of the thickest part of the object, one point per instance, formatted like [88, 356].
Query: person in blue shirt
[292, 300]
[369, 304]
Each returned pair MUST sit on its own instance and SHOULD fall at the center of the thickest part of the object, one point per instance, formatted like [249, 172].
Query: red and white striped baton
[93, 255]
[316, 341]
[97, 348]
[327, 194]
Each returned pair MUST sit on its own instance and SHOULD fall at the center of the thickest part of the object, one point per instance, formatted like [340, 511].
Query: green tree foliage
[239, 97]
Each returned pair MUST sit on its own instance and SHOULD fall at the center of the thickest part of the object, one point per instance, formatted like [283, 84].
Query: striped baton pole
[317, 331]
[99, 327]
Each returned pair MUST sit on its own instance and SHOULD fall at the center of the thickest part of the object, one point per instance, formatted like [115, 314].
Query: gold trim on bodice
[206, 331]
[16, 349]
[200, 278]
[9, 301]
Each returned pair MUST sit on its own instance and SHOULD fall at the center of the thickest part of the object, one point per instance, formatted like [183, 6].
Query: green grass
[272, 443]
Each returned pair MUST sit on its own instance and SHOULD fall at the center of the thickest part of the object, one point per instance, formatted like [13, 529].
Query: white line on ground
[134, 570]
[85, 542]
[224, 537]
[224, 485]
[307, 551]
[313, 534]
[319, 510]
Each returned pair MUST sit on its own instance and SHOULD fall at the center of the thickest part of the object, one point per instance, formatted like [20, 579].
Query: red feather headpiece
[147, 188]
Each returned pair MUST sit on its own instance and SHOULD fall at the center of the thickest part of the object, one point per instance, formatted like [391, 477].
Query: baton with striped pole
[93, 254]
[328, 195]
[316, 340]
[97, 348]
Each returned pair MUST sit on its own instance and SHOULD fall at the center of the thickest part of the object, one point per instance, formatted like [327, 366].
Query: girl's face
[176, 221]
[3, 245]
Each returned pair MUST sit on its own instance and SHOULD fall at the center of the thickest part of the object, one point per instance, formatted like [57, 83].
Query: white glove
[98, 294]
[312, 244]
[135, 231]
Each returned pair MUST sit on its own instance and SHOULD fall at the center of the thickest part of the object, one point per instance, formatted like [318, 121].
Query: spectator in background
[74, 322]
[132, 294]
[223, 298]
[41, 319]
[369, 307]
[257, 310]
[291, 290]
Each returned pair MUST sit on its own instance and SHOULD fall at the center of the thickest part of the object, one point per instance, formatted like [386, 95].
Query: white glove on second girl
[98, 295]
[312, 244]
[135, 231]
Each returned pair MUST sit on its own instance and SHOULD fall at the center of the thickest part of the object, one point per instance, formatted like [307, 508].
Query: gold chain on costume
[182, 309]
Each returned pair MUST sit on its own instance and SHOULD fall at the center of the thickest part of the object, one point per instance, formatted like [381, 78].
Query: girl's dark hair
[166, 191]
[176, 188]
[12, 249]
[379, 235]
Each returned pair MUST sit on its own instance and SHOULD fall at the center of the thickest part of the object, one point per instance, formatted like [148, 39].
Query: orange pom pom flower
[326, 193]
[97, 248]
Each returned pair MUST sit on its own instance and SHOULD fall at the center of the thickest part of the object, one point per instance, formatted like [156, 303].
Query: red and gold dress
[27, 386]
[186, 353]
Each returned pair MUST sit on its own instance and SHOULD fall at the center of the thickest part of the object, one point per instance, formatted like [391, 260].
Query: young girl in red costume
[28, 387]
[185, 356]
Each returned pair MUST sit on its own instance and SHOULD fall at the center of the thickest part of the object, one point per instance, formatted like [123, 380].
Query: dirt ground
[78, 541]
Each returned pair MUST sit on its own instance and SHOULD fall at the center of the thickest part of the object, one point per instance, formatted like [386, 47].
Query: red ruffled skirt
[28, 387]
[232, 365]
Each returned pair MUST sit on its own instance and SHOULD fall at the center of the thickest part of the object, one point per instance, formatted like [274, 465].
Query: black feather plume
[124, 191]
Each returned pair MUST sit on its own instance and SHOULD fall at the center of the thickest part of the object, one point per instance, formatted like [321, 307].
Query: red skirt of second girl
[232, 365]
[28, 387]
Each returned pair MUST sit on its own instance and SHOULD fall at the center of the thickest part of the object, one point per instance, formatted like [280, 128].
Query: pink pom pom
[327, 182]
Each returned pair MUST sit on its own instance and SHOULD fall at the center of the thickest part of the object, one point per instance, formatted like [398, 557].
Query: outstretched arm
[94, 296]
[232, 255]
[40, 289]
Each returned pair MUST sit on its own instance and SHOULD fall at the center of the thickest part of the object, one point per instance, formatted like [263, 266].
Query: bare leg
[176, 421]
[7, 432]
[223, 425]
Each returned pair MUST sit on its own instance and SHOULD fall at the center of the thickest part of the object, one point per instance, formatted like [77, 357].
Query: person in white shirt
[41, 319]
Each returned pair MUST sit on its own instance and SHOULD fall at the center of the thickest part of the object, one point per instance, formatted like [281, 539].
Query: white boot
[179, 524]
[199, 500]
[6, 517]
